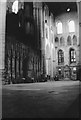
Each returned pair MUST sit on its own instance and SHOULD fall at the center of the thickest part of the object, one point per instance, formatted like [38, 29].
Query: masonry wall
[23, 60]
[20, 61]
[65, 18]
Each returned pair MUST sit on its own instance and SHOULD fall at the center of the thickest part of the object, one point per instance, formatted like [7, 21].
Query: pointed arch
[62, 41]
[69, 40]
[74, 40]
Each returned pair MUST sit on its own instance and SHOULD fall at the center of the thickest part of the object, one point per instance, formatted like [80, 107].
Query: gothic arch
[69, 40]
[74, 40]
[62, 41]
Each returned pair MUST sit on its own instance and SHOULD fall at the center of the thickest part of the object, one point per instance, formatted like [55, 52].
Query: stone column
[2, 45]
[42, 35]
[79, 12]
[79, 16]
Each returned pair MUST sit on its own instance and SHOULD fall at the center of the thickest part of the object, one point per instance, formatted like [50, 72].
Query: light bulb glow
[68, 9]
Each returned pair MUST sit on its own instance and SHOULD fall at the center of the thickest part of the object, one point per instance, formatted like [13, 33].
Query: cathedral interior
[41, 41]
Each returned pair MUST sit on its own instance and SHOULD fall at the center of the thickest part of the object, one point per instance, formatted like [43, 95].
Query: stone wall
[65, 18]
[20, 61]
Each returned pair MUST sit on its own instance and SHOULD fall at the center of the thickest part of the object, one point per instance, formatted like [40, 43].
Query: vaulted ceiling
[58, 8]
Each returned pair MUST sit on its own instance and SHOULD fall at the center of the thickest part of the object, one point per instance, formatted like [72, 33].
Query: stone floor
[58, 99]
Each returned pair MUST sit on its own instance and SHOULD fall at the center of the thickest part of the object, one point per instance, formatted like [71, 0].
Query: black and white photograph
[40, 59]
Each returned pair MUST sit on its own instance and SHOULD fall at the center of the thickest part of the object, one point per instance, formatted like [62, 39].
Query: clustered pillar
[2, 45]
